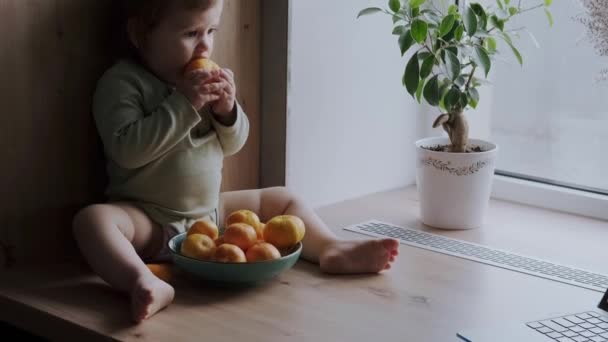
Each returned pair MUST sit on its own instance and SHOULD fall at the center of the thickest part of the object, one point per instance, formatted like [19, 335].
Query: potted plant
[453, 49]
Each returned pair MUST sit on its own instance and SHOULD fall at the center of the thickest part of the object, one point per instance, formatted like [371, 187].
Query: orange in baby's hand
[284, 231]
[204, 64]
[229, 253]
[241, 235]
[205, 227]
[198, 246]
[245, 216]
[262, 251]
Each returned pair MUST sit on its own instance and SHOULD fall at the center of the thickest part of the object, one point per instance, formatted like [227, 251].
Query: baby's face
[180, 36]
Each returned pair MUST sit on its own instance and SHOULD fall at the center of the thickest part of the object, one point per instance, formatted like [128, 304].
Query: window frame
[549, 196]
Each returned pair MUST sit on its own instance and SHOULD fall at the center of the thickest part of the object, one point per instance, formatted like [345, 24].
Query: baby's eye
[191, 34]
[212, 31]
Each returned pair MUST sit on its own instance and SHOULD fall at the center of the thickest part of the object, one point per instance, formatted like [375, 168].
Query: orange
[240, 234]
[162, 271]
[198, 246]
[229, 253]
[245, 216]
[262, 251]
[284, 231]
[204, 64]
[205, 227]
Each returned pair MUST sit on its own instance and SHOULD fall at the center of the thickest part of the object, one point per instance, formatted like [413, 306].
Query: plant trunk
[455, 124]
[458, 132]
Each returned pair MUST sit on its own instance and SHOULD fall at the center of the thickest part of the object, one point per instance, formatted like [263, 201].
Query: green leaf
[412, 75]
[478, 9]
[419, 90]
[459, 32]
[415, 12]
[405, 41]
[500, 5]
[463, 101]
[482, 59]
[394, 5]
[369, 10]
[431, 91]
[549, 17]
[548, 3]
[427, 66]
[507, 2]
[498, 23]
[398, 30]
[452, 64]
[460, 81]
[507, 39]
[452, 99]
[419, 30]
[490, 44]
[422, 55]
[473, 97]
[416, 3]
[453, 9]
[443, 91]
[446, 25]
[513, 11]
[470, 21]
[482, 16]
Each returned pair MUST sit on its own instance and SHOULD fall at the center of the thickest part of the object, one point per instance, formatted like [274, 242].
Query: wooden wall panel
[51, 54]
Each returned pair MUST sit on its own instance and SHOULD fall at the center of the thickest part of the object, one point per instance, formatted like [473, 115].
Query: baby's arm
[232, 138]
[131, 137]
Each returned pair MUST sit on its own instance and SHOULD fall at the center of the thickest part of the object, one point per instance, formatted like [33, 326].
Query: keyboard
[583, 327]
[484, 254]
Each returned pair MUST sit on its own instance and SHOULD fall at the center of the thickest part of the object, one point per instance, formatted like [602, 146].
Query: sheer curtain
[550, 118]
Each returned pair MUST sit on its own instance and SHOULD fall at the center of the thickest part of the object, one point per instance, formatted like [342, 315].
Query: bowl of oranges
[245, 252]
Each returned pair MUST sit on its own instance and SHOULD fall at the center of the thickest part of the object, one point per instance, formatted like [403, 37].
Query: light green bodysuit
[162, 155]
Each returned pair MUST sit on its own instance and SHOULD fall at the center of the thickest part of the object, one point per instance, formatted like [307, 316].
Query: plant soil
[446, 148]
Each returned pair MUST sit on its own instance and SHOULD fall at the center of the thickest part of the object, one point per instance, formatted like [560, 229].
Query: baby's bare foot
[149, 296]
[359, 256]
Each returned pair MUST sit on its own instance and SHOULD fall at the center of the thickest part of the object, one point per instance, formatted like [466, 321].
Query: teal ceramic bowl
[251, 273]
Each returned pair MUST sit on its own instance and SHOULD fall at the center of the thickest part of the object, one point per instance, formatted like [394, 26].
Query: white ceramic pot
[454, 188]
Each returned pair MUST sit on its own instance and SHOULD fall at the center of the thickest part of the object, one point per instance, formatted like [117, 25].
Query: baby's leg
[110, 236]
[321, 245]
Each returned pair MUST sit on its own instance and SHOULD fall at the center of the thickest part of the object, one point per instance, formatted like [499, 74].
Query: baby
[165, 134]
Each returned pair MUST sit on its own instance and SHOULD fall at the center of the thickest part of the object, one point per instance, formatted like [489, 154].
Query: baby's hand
[224, 87]
[192, 86]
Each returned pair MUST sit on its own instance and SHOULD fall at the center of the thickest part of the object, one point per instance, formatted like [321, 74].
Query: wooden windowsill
[426, 296]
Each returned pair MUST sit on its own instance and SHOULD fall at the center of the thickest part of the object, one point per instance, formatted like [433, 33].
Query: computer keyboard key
[577, 329]
[564, 339]
[602, 325]
[594, 321]
[604, 335]
[587, 334]
[580, 339]
[574, 319]
[569, 333]
[597, 330]
[584, 316]
[534, 325]
[554, 326]
[586, 325]
[594, 314]
[564, 323]
[544, 330]
[554, 334]
[598, 339]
